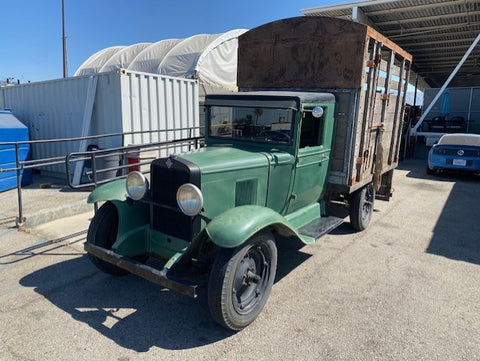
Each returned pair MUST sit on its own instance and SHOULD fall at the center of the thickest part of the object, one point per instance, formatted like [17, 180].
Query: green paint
[113, 191]
[235, 226]
[133, 228]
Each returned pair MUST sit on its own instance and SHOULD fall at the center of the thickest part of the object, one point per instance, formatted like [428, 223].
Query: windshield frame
[292, 120]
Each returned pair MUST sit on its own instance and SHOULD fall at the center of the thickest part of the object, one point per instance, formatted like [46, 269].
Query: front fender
[112, 191]
[236, 225]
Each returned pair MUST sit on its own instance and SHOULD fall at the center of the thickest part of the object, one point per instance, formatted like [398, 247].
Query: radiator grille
[167, 175]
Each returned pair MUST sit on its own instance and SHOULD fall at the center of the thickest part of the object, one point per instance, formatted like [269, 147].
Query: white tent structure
[149, 59]
[95, 62]
[123, 58]
[212, 59]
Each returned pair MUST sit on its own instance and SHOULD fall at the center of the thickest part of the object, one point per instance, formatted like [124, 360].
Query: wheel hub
[248, 285]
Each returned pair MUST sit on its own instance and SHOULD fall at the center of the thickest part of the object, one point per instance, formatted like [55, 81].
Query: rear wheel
[241, 280]
[103, 233]
[361, 207]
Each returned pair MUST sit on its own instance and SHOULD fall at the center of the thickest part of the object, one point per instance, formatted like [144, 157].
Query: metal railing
[123, 153]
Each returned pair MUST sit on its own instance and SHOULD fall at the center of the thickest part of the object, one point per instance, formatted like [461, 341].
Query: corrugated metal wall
[158, 103]
[124, 101]
[50, 110]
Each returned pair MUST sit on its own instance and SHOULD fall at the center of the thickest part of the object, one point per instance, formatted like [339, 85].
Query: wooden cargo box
[367, 73]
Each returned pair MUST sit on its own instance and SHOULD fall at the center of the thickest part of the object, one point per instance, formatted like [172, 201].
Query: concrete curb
[54, 213]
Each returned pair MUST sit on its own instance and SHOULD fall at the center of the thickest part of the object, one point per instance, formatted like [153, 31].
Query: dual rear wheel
[361, 207]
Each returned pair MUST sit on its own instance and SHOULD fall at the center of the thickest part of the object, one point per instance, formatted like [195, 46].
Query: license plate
[462, 162]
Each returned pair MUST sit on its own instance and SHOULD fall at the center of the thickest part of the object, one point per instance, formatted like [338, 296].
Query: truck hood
[225, 159]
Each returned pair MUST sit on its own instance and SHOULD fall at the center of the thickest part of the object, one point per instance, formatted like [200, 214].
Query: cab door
[313, 159]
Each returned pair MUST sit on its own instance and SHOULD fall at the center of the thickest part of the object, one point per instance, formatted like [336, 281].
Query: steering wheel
[274, 136]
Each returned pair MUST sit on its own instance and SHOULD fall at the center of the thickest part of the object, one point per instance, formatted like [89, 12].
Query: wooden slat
[388, 43]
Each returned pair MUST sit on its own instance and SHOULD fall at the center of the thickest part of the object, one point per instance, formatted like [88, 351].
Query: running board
[320, 226]
[137, 268]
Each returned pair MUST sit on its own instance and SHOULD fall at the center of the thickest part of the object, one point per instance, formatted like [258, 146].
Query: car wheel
[361, 207]
[241, 280]
[431, 171]
[103, 233]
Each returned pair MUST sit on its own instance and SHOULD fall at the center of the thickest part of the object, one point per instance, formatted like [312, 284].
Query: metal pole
[444, 86]
[20, 219]
[469, 108]
[64, 40]
[94, 176]
[415, 94]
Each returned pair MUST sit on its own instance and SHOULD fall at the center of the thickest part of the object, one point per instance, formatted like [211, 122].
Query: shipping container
[115, 102]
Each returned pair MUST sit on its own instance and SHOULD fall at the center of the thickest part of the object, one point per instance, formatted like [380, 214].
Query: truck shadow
[135, 313]
[130, 311]
[457, 232]
[290, 256]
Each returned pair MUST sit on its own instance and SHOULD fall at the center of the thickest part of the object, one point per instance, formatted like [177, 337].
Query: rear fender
[236, 225]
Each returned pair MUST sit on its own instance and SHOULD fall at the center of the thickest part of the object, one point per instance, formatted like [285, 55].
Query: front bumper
[137, 268]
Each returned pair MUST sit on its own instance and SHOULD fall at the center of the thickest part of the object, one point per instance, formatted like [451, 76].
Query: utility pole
[64, 38]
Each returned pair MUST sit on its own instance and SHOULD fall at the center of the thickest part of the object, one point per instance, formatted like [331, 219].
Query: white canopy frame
[123, 58]
[149, 59]
[95, 62]
[210, 58]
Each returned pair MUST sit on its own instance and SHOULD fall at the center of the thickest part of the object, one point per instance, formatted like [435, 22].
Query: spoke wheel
[241, 280]
[361, 207]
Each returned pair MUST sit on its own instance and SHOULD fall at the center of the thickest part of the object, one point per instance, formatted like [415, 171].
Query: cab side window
[311, 131]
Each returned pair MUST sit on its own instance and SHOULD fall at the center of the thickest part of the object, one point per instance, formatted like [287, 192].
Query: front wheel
[361, 207]
[241, 280]
[103, 233]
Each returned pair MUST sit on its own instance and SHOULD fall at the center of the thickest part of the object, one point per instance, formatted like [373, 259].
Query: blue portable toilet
[12, 130]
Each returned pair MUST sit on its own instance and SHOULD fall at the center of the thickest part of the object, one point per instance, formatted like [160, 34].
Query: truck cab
[217, 210]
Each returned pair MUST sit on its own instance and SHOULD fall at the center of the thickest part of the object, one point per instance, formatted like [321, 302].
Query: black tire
[103, 233]
[431, 171]
[361, 207]
[241, 280]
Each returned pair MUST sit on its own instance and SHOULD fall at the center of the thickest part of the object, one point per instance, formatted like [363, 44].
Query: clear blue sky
[31, 35]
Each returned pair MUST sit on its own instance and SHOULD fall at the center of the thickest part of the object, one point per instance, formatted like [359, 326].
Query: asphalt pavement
[407, 288]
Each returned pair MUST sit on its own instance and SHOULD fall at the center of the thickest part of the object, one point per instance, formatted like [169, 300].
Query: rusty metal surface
[302, 52]
[149, 273]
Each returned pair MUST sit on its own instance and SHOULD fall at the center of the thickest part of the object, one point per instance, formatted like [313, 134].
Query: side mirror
[317, 112]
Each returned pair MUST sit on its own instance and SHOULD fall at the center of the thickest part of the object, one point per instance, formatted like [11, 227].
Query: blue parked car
[455, 152]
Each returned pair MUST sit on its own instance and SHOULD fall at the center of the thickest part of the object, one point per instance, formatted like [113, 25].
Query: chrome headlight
[136, 185]
[190, 199]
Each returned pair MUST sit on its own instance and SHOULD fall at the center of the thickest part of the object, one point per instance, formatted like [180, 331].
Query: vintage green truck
[296, 138]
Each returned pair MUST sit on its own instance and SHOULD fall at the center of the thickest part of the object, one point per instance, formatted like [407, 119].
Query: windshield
[263, 125]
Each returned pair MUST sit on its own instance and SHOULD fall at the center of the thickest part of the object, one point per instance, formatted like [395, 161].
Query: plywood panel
[302, 52]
